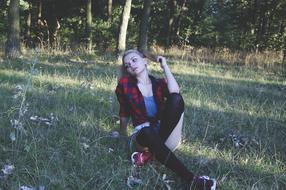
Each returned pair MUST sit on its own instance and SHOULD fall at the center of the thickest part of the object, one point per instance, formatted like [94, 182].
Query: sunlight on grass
[78, 151]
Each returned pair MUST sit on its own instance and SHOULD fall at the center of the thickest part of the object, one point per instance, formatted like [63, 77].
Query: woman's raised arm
[172, 84]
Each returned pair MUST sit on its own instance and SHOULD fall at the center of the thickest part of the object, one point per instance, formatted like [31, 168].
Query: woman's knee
[148, 132]
[146, 135]
[176, 99]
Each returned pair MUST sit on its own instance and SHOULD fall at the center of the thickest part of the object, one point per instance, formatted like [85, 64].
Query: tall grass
[225, 104]
[266, 60]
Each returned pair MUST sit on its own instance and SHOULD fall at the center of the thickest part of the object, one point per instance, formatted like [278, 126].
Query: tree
[89, 25]
[172, 10]
[181, 8]
[143, 36]
[52, 21]
[109, 10]
[121, 43]
[284, 57]
[12, 48]
[28, 22]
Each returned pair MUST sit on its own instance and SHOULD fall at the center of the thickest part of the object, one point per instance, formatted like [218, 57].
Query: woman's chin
[136, 72]
[133, 74]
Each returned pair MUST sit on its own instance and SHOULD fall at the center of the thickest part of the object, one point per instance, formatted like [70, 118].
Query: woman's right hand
[163, 62]
[123, 126]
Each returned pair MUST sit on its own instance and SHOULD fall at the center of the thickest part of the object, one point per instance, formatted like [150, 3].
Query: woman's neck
[143, 78]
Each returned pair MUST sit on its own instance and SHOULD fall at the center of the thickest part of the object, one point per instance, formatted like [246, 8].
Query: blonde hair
[132, 51]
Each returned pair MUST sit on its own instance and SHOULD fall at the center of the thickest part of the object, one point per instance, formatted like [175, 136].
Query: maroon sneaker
[203, 183]
[140, 158]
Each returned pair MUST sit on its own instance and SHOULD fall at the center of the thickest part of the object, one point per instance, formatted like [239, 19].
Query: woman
[156, 109]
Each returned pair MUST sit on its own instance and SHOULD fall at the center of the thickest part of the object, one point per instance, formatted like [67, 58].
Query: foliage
[247, 25]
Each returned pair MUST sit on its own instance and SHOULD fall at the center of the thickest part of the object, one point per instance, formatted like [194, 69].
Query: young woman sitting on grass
[156, 109]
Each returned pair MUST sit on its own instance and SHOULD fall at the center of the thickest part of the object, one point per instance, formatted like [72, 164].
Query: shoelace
[205, 179]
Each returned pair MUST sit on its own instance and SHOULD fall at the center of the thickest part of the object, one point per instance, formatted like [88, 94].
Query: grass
[77, 151]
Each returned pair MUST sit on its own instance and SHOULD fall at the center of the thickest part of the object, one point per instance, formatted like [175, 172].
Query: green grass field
[234, 127]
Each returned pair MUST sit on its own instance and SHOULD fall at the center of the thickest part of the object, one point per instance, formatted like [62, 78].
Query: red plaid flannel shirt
[131, 101]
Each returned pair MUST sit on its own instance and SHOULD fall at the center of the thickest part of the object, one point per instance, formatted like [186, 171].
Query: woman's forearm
[123, 126]
[172, 84]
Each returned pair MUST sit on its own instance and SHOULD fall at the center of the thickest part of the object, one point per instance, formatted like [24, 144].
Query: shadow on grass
[78, 152]
[233, 175]
[258, 115]
[65, 66]
[56, 156]
[250, 108]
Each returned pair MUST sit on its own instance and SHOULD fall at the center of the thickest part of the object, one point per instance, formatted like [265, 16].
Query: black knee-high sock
[147, 137]
[174, 107]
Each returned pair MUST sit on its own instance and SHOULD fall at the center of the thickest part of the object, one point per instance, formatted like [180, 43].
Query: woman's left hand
[162, 60]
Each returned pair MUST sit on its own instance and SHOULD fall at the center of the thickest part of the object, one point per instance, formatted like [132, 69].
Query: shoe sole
[132, 158]
[214, 184]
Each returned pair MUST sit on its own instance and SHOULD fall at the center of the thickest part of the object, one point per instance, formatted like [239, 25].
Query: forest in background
[254, 25]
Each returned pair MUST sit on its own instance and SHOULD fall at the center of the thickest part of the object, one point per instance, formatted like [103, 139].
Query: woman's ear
[145, 61]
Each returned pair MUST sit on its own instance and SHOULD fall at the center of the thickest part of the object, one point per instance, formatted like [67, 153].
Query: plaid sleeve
[123, 106]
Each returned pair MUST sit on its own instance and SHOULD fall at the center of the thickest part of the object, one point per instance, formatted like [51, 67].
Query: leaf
[13, 136]
[133, 182]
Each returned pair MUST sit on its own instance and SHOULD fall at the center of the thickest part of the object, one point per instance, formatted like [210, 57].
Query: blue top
[150, 105]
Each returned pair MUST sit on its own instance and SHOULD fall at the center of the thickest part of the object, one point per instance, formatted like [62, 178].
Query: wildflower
[71, 109]
[50, 121]
[7, 170]
[26, 188]
[84, 143]
[85, 146]
[133, 182]
[12, 136]
[18, 92]
[23, 110]
[16, 96]
[19, 87]
[115, 134]
[16, 124]
[110, 150]
[83, 124]
[238, 141]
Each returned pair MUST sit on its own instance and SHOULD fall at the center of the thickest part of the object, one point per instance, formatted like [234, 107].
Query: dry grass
[266, 60]
[77, 151]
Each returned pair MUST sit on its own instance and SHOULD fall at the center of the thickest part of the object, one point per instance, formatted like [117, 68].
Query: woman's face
[134, 63]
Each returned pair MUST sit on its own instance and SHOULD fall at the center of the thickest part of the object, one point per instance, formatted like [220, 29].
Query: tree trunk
[109, 10]
[12, 48]
[36, 13]
[261, 25]
[143, 36]
[41, 24]
[53, 28]
[172, 10]
[284, 58]
[28, 31]
[40, 6]
[121, 44]
[53, 25]
[89, 25]
[179, 18]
